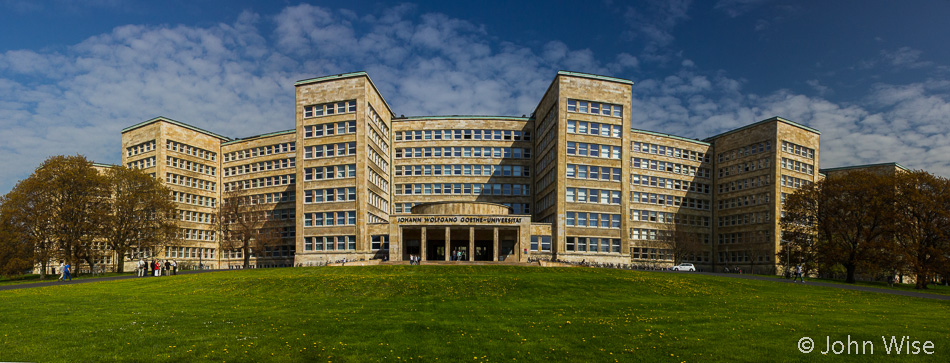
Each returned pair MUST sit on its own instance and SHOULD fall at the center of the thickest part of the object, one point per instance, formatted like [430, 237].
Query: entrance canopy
[461, 231]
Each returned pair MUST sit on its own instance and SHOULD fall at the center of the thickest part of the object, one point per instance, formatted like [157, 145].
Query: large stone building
[576, 181]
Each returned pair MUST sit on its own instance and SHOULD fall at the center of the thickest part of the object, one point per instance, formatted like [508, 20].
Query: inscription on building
[479, 220]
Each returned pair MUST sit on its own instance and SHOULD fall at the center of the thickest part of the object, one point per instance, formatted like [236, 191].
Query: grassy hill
[454, 313]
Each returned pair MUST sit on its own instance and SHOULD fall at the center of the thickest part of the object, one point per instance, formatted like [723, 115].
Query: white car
[684, 267]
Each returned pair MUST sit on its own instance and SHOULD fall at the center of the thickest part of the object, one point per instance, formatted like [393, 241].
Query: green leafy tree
[30, 215]
[243, 223]
[140, 213]
[922, 224]
[16, 252]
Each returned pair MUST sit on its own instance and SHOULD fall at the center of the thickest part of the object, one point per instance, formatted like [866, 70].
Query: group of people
[157, 268]
[414, 259]
[458, 255]
[63, 270]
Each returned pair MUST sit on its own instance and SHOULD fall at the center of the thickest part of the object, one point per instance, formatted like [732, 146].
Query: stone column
[471, 243]
[495, 250]
[448, 242]
[422, 244]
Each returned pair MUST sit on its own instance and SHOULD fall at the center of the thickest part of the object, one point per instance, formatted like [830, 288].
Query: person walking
[66, 274]
[168, 268]
[798, 274]
[60, 270]
[174, 267]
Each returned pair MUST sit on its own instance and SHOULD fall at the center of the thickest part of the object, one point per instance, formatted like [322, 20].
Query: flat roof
[771, 119]
[345, 76]
[670, 136]
[469, 117]
[177, 123]
[865, 166]
[261, 136]
[594, 76]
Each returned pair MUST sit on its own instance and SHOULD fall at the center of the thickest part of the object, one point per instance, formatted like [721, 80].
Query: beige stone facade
[573, 182]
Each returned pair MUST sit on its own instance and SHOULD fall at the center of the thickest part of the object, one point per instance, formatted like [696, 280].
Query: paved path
[923, 295]
[91, 279]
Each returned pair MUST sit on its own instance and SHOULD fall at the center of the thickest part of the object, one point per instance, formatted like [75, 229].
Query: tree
[922, 224]
[799, 229]
[243, 223]
[16, 252]
[58, 210]
[140, 213]
[851, 215]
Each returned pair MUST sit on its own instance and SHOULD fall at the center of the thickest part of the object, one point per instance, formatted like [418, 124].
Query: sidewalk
[94, 279]
[922, 295]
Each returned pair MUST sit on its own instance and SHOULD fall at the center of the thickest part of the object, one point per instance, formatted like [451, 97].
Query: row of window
[798, 150]
[189, 252]
[591, 172]
[648, 234]
[268, 198]
[380, 162]
[593, 150]
[193, 199]
[140, 148]
[748, 150]
[667, 217]
[196, 234]
[669, 167]
[319, 219]
[743, 184]
[793, 182]
[669, 200]
[540, 243]
[261, 166]
[517, 208]
[673, 152]
[282, 148]
[596, 108]
[743, 237]
[329, 172]
[593, 244]
[463, 134]
[745, 167]
[329, 195]
[463, 189]
[593, 220]
[668, 183]
[329, 150]
[331, 108]
[744, 219]
[463, 169]
[190, 150]
[329, 243]
[197, 217]
[745, 201]
[142, 163]
[798, 166]
[190, 165]
[188, 181]
[377, 180]
[594, 128]
[464, 152]
[267, 181]
[649, 253]
[329, 129]
[597, 196]
[378, 201]
[745, 256]
[380, 141]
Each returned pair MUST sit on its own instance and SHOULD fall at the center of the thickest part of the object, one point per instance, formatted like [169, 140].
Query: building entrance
[466, 243]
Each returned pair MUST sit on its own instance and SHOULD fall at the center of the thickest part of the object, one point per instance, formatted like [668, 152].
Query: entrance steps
[463, 263]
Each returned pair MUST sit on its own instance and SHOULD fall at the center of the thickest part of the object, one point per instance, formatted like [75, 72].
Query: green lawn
[454, 313]
[931, 289]
[31, 278]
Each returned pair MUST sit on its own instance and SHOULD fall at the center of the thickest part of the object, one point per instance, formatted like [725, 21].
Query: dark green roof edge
[670, 136]
[270, 134]
[104, 165]
[863, 166]
[474, 117]
[327, 78]
[774, 118]
[594, 76]
[344, 76]
[166, 119]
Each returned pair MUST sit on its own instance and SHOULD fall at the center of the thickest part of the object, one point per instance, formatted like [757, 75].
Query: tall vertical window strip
[595, 108]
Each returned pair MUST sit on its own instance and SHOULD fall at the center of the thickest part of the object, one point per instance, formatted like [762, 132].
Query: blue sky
[872, 76]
